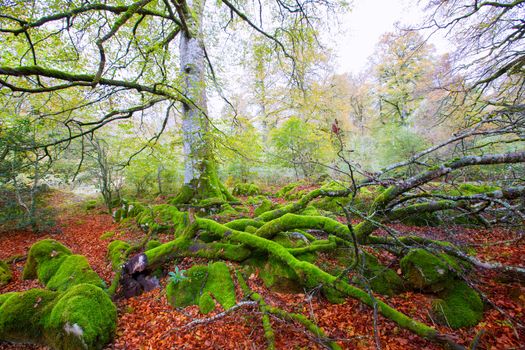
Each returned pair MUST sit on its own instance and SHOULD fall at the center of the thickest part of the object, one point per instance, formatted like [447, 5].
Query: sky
[366, 22]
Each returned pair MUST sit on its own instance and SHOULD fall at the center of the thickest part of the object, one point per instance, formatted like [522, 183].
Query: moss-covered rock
[245, 189]
[44, 259]
[279, 277]
[57, 268]
[117, 253]
[74, 270]
[21, 315]
[426, 271]
[5, 273]
[82, 318]
[187, 292]
[262, 205]
[459, 306]
[382, 280]
[73, 313]
[203, 282]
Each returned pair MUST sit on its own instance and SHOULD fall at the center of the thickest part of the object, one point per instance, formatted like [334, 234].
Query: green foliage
[74, 270]
[177, 275]
[299, 146]
[460, 306]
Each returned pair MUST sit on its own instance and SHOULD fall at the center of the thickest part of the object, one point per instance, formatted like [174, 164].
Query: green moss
[83, 317]
[152, 244]
[22, 313]
[424, 270]
[263, 206]
[220, 284]
[5, 273]
[206, 303]
[310, 211]
[460, 306]
[208, 282]
[44, 259]
[117, 253]
[280, 277]
[107, 235]
[90, 204]
[470, 189]
[187, 292]
[245, 189]
[5, 296]
[288, 240]
[74, 270]
[382, 279]
[227, 210]
[422, 219]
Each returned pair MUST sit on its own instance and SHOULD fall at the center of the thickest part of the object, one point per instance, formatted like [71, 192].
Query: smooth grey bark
[194, 121]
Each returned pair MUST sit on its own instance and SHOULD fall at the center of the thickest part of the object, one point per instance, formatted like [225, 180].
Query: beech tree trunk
[200, 171]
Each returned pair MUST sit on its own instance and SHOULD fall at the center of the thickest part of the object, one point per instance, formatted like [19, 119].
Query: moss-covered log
[310, 275]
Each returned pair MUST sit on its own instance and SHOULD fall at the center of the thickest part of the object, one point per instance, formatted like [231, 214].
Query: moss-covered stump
[5, 273]
[426, 271]
[57, 268]
[203, 286]
[83, 317]
[459, 306]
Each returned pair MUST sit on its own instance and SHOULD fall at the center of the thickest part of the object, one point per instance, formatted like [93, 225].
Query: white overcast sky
[364, 25]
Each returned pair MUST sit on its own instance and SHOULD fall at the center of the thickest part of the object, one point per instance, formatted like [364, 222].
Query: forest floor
[149, 322]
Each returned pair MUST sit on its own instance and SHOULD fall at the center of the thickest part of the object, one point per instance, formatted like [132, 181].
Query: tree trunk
[200, 172]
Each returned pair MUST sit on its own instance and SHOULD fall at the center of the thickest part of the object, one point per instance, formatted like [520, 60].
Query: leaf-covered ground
[148, 322]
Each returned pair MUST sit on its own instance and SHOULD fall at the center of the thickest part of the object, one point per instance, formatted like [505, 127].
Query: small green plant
[177, 276]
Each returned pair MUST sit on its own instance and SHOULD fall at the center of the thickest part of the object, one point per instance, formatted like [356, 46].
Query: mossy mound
[163, 217]
[5, 273]
[246, 189]
[460, 306]
[21, 315]
[74, 270]
[426, 271]
[261, 203]
[279, 277]
[117, 253]
[202, 286]
[44, 259]
[57, 268]
[83, 317]
[73, 313]
[382, 280]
